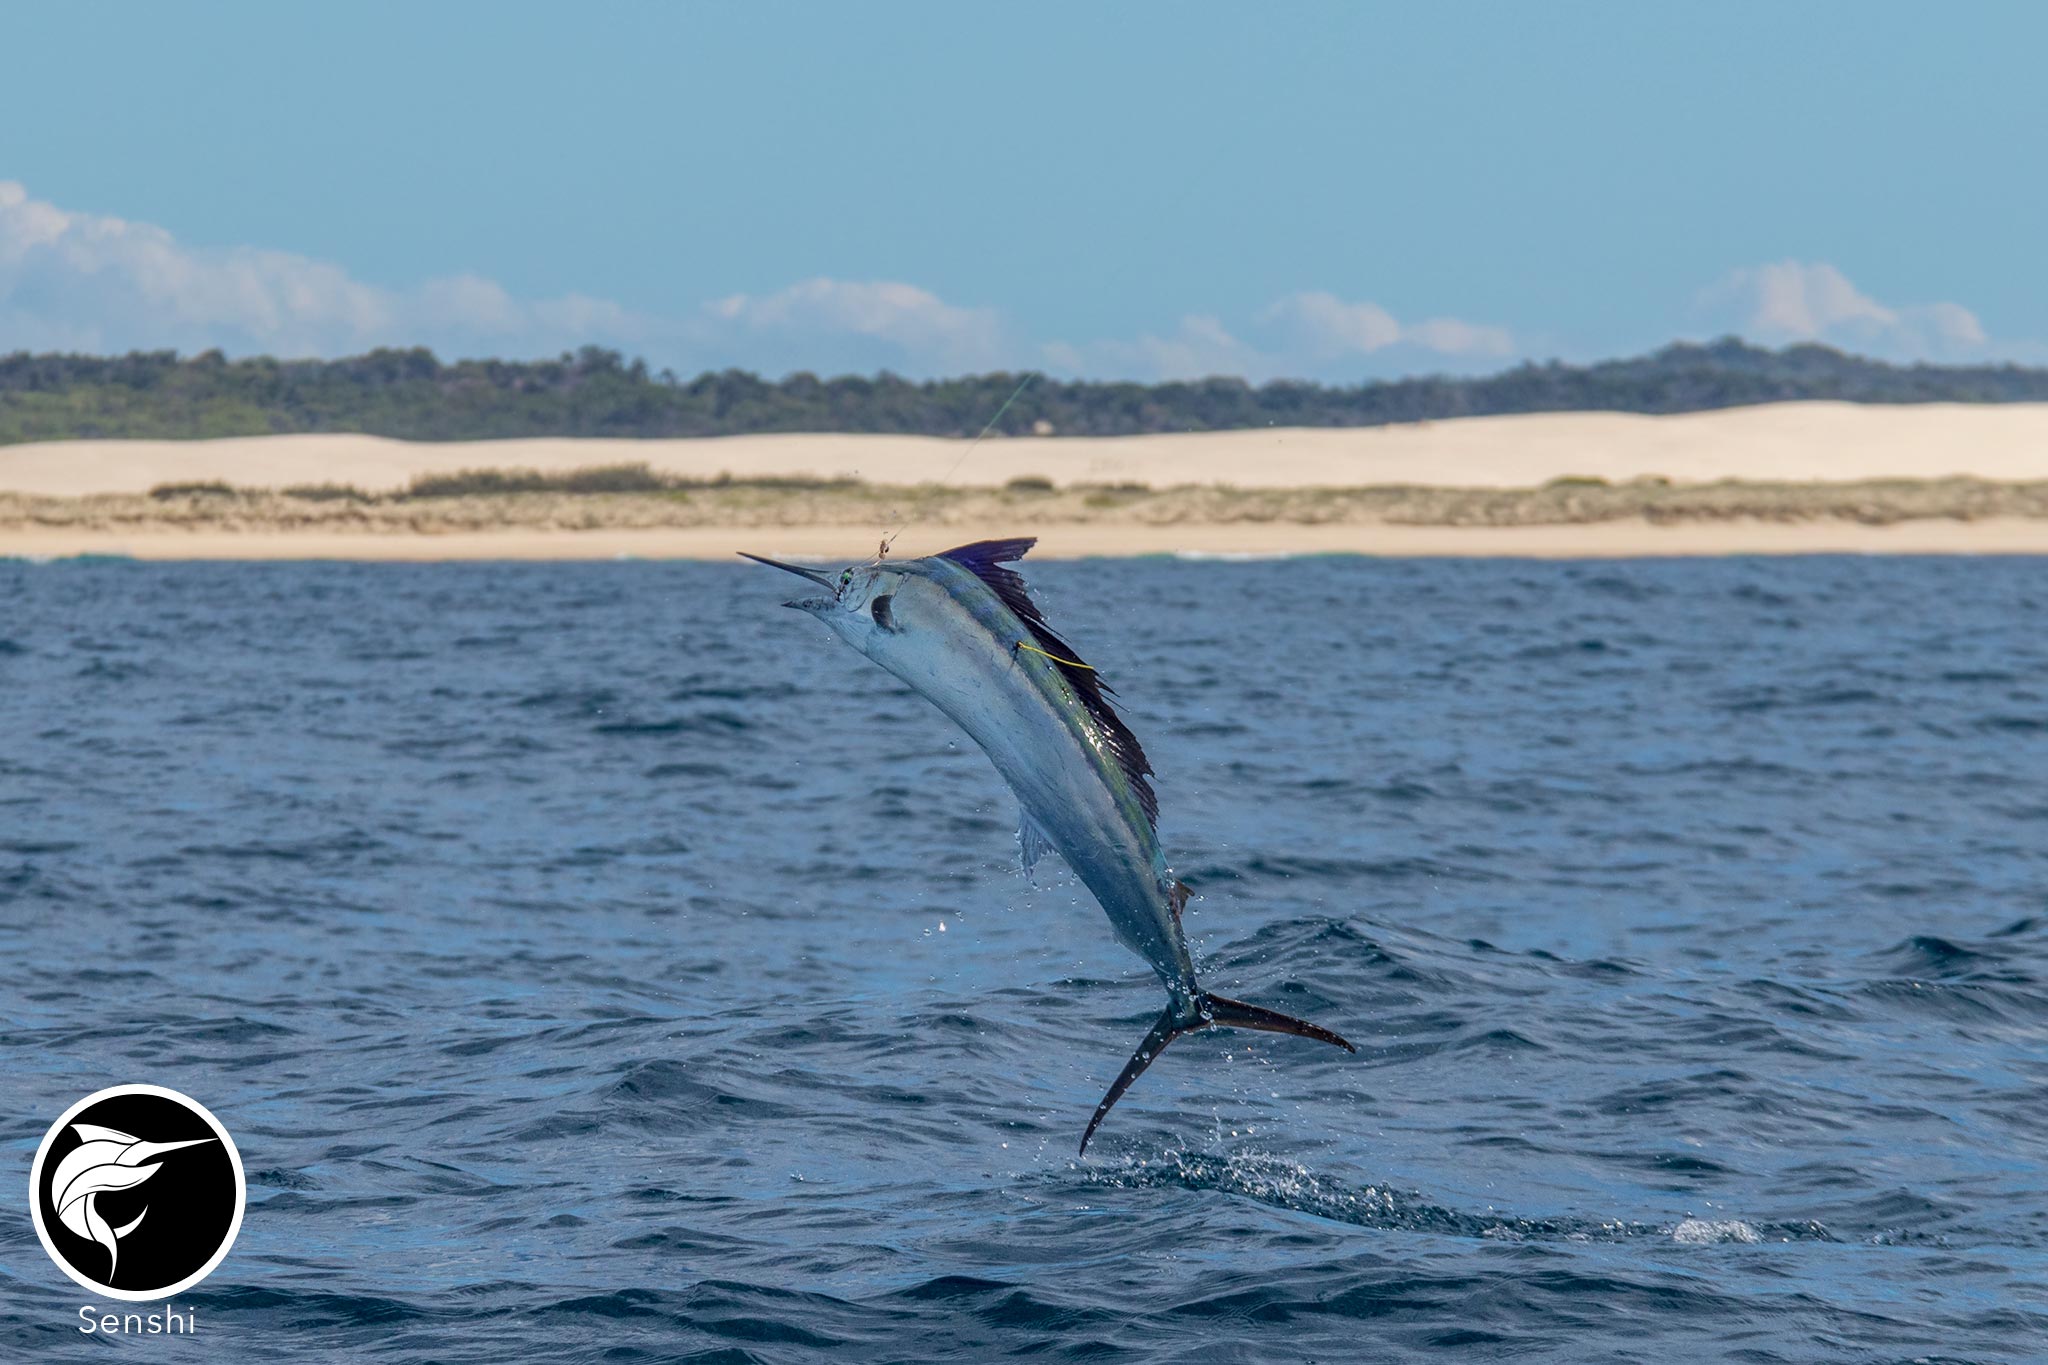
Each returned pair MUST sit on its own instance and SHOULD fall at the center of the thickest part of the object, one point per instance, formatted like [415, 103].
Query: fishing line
[890, 540]
[1071, 663]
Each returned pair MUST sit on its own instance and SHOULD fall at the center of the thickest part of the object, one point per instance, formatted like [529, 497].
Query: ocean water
[599, 963]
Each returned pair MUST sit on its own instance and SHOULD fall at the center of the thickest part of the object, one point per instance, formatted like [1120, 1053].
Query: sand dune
[1798, 479]
[850, 544]
[1780, 442]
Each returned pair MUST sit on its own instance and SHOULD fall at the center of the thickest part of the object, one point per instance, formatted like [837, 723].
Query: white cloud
[1327, 326]
[73, 281]
[1309, 335]
[1333, 326]
[1813, 301]
[1954, 323]
[1793, 299]
[88, 282]
[1199, 348]
[1452, 336]
[930, 333]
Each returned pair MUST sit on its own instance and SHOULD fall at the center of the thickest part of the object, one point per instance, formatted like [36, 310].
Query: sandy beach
[1794, 442]
[849, 544]
[1785, 478]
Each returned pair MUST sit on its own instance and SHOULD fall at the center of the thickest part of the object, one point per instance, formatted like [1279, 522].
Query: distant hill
[411, 395]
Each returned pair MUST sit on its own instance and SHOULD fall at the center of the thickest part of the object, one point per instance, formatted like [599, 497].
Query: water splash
[1282, 1184]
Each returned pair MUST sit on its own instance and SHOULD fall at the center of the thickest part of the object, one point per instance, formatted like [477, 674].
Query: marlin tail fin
[1211, 1011]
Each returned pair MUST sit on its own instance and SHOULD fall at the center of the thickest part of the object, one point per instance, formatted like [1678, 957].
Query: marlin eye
[879, 609]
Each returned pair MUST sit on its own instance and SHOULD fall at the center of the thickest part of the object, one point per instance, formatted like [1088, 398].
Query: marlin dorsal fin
[985, 559]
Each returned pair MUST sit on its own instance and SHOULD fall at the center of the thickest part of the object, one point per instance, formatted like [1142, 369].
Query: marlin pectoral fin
[1212, 1011]
[1032, 842]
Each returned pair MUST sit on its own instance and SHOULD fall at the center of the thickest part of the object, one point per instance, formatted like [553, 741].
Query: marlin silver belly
[962, 631]
[1064, 787]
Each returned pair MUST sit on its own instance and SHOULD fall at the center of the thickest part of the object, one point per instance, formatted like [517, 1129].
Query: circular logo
[137, 1192]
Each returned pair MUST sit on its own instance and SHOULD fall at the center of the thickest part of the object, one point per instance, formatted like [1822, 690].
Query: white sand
[851, 544]
[1798, 442]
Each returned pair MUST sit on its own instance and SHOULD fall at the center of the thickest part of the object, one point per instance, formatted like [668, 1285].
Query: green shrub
[468, 483]
[327, 492]
[212, 488]
[612, 478]
[472, 483]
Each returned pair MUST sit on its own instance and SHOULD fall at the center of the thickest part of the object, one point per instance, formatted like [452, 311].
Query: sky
[1325, 191]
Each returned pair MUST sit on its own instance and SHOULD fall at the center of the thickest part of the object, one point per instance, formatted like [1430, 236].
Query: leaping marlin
[963, 632]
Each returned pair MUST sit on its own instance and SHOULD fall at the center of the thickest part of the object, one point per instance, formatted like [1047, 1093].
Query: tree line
[412, 395]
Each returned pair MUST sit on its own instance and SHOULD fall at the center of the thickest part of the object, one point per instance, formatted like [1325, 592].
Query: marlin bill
[961, 629]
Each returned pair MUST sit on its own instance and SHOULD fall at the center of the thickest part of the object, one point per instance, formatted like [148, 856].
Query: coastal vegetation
[412, 395]
[622, 497]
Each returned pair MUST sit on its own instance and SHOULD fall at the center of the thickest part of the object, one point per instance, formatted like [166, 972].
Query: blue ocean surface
[598, 963]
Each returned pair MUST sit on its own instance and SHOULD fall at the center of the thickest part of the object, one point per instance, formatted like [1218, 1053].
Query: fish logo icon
[105, 1159]
[95, 1182]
